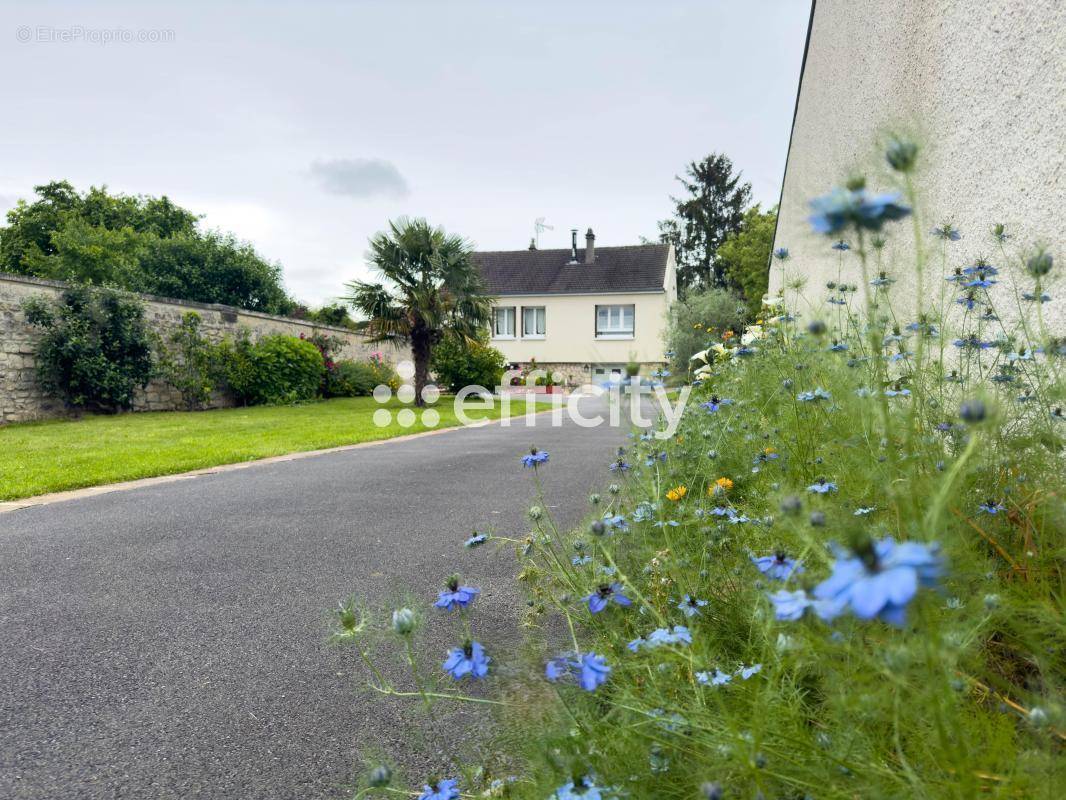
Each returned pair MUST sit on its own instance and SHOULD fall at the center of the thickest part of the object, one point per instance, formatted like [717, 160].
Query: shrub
[746, 255]
[359, 378]
[692, 323]
[276, 369]
[188, 363]
[96, 348]
[458, 363]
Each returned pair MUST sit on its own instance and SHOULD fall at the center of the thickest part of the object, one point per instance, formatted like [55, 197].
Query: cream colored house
[583, 314]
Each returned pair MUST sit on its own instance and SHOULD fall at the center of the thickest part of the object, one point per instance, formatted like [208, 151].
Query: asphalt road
[169, 641]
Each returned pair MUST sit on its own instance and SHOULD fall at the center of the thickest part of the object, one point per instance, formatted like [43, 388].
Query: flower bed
[841, 578]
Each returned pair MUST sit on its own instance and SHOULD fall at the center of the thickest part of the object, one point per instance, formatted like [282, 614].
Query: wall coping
[7, 277]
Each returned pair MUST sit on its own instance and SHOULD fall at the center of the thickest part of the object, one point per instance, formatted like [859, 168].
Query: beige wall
[570, 322]
[982, 86]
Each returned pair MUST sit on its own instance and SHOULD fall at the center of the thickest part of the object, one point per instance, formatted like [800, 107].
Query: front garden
[841, 578]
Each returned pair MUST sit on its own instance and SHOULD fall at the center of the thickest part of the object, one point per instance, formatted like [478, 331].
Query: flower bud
[973, 411]
[380, 776]
[817, 327]
[1040, 263]
[403, 621]
[901, 155]
[598, 528]
[594, 499]
[711, 791]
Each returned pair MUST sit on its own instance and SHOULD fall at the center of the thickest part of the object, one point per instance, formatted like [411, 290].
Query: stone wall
[22, 398]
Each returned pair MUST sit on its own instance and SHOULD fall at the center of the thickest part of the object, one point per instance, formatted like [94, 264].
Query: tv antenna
[540, 225]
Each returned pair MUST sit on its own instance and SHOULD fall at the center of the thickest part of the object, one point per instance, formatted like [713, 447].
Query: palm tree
[431, 290]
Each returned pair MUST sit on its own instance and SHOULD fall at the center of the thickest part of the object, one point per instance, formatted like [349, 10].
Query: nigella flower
[789, 606]
[882, 280]
[947, 232]
[1032, 298]
[590, 669]
[864, 510]
[534, 457]
[778, 566]
[441, 790]
[848, 206]
[956, 277]
[679, 634]
[470, 659]
[580, 788]
[781, 253]
[971, 342]
[690, 606]
[817, 394]
[981, 267]
[747, 672]
[841, 245]
[580, 561]
[822, 486]
[719, 678]
[879, 581]
[455, 596]
[644, 511]
[837, 301]
[617, 521]
[838, 347]
[476, 540]
[992, 507]
[896, 391]
[715, 403]
[621, 465]
[604, 594]
[967, 300]
[980, 282]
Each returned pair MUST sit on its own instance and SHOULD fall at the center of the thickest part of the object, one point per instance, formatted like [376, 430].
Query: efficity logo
[642, 404]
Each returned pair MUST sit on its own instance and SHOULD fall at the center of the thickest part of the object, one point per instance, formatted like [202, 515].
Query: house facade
[582, 313]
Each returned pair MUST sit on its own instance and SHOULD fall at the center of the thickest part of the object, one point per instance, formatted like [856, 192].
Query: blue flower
[747, 672]
[897, 392]
[781, 253]
[475, 540]
[843, 207]
[442, 790]
[580, 561]
[590, 669]
[455, 596]
[967, 300]
[579, 789]
[778, 566]
[838, 347]
[1032, 298]
[690, 606]
[992, 507]
[617, 521]
[599, 599]
[980, 282]
[882, 280]
[880, 582]
[715, 403]
[841, 245]
[534, 457]
[662, 636]
[719, 678]
[822, 486]
[947, 232]
[789, 606]
[972, 343]
[817, 394]
[621, 465]
[980, 268]
[470, 659]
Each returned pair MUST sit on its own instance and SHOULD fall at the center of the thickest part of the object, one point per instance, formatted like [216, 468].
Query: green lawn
[41, 457]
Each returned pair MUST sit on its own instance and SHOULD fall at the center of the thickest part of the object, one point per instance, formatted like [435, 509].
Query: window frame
[544, 322]
[495, 323]
[615, 333]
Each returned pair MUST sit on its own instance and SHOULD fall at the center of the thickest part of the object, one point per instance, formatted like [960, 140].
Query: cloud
[360, 177]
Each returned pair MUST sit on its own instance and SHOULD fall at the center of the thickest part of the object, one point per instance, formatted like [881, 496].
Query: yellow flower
[677, 493]
[769, 451]
[721, 485]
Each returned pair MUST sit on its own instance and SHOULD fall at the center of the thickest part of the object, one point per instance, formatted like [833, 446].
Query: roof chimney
[532, 244]
[590, 247]
[573, 245]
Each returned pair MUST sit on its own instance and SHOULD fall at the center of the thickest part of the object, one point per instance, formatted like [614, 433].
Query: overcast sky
[303, 127]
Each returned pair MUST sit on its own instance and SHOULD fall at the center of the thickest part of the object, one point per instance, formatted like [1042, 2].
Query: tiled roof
[637, 268]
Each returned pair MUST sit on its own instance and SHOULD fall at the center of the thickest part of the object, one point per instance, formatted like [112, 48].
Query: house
[582, 314]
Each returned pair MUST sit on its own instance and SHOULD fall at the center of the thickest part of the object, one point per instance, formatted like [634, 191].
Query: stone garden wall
[22, 398]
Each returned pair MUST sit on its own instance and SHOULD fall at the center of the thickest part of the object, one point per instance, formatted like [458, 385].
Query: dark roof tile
[636, 268]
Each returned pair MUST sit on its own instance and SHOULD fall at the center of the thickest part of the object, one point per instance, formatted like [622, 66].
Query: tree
[141, 244]
[712, 209]
[434, 291]
[745, 255]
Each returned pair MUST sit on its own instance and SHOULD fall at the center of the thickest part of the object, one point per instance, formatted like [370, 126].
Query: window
[503, 323]
[533, 322]
[614, 322]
